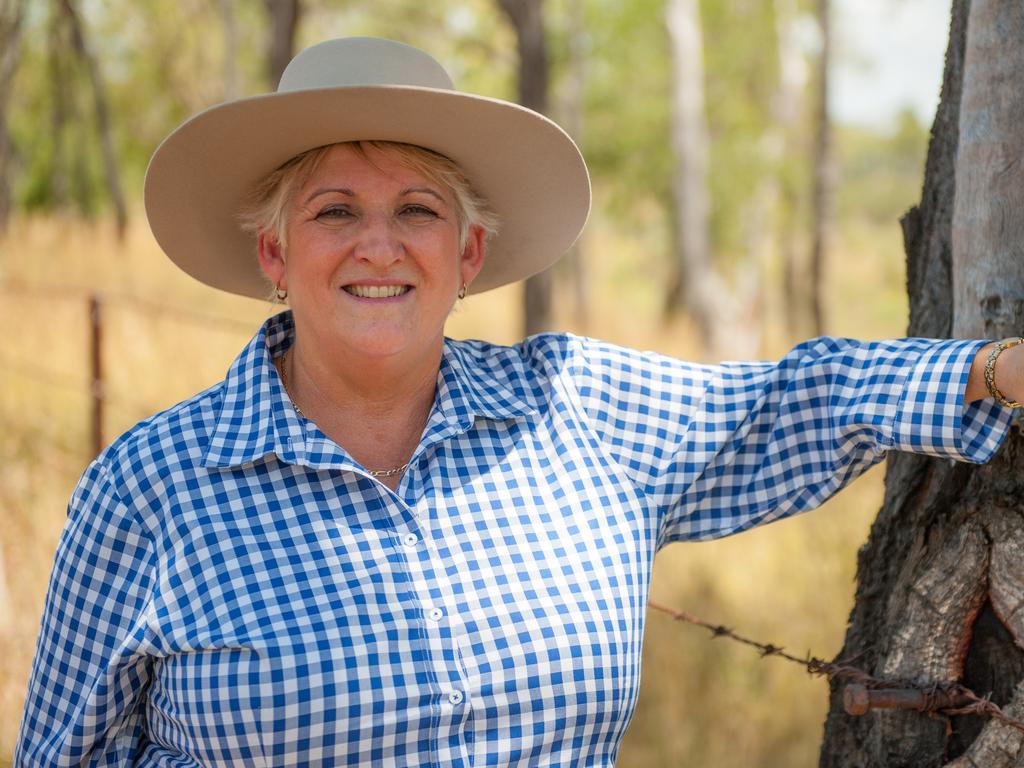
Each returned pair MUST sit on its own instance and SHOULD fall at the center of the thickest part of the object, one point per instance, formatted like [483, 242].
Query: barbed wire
[946, 698]
[144, 305]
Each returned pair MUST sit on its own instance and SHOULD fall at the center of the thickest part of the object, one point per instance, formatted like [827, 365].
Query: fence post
[96, 354]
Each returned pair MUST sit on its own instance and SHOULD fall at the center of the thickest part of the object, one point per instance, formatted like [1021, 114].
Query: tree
[695, 285]
[284, 21]
[527, 18]
[823, 182]
[102, 113]
[12, 14]
[940, 579]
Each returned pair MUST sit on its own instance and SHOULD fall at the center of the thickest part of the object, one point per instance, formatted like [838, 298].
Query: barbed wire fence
[863, 694]
[93, 384]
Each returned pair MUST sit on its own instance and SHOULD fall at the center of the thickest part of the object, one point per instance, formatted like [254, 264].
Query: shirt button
[435, 614]
[410, 540]
[455, 697]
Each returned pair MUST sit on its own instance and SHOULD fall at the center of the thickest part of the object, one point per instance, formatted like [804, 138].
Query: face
[372, 264]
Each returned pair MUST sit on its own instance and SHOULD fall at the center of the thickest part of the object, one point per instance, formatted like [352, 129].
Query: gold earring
[462, 291]
[279, 294]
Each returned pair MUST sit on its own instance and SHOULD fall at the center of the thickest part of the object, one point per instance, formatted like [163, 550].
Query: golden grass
[703, 702]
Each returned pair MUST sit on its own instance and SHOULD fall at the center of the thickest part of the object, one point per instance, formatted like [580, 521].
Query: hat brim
[527, 167]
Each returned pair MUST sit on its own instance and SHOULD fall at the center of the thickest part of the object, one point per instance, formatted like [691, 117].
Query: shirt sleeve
[84, 703]
[720, 449]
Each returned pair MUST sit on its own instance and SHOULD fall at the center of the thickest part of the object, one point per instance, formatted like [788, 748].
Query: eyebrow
[349, 193]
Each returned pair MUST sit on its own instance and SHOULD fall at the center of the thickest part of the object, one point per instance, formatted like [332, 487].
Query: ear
[472, 260]
[271, 257]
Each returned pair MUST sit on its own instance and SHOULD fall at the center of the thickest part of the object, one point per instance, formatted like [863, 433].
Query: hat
[361, 88]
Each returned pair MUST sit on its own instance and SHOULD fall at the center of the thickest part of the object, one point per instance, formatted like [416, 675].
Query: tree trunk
[695, 285]
[12, 14]
[786, 112]
[573, 123]
[60, 77]
[284, 22]
[940, 578]
[527, 18]
[229, 21]
[99, 95]
[823, 173]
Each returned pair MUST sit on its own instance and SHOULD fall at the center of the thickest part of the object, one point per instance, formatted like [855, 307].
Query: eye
[335, 212]
[417, 209]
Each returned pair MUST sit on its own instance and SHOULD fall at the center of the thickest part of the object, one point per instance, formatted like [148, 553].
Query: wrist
[1004, 372]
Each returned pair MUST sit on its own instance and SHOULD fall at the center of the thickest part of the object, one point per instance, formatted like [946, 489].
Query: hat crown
[355, 62]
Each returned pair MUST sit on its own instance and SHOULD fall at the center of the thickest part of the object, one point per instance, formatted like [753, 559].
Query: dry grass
[702, 702]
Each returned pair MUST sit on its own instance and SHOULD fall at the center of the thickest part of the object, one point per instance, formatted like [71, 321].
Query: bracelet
[990, 372]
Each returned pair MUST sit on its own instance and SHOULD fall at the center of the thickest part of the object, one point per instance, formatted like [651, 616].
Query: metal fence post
[96, 376]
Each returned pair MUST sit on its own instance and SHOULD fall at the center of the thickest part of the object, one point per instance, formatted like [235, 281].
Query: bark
[695, 286]
[527, 19]
[823, 174]
[12, 14]
[99, 95]
[939, 581]
[284, 21]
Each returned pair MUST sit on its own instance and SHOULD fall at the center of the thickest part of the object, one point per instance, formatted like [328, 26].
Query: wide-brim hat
[526, 166]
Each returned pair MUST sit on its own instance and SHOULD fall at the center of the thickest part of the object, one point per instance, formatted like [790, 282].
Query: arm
[90, 668]
[1009, 374]
[719, 449]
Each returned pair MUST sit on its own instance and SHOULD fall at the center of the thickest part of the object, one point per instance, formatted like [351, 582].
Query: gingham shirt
[233, 589]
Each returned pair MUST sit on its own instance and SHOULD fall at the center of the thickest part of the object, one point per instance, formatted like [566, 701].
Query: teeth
[376, 291]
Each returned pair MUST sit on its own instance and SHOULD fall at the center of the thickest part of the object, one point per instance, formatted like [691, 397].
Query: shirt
[233, 589]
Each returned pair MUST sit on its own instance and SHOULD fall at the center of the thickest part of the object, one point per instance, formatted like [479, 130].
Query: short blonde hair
[265, 209]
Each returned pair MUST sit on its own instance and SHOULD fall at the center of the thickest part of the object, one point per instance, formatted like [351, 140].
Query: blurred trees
[527, 19]
[12, 15]
[158, 61]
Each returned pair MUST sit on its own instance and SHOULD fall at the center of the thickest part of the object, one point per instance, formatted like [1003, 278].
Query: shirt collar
[256, 417]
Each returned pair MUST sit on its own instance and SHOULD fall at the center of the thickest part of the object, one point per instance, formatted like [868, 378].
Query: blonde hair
[265, 208]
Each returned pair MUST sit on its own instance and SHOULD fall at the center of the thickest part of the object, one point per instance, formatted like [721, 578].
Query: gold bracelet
[990, 372]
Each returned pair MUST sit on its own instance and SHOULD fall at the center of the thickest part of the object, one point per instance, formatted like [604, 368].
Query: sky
[889, 55]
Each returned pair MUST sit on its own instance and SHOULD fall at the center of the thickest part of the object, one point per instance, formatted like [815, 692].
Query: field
[704, 702]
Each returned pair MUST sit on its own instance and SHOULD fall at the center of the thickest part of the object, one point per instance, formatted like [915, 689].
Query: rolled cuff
[932, 417]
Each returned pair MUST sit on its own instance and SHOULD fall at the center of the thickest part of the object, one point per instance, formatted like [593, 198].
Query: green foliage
[881, 171]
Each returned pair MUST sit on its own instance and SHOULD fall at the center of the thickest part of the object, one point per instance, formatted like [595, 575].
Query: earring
[279, 294]
[462, 291]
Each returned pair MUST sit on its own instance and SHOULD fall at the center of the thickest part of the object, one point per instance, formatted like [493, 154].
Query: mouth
[376, 291]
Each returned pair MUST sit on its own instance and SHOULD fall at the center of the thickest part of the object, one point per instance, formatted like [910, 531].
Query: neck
[376, 408]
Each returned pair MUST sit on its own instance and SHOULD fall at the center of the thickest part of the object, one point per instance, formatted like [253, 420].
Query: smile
[377, 291]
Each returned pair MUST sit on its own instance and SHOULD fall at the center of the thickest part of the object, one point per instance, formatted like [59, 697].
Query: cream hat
[362, 88]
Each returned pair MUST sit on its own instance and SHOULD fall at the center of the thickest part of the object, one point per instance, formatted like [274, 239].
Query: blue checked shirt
[232, 589]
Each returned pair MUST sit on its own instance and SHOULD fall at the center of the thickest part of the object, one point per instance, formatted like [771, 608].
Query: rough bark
[823, 174]
[12, 14]
[695, 285]
[939, 580]
[102, 113]
[284, 22]
[527, 19]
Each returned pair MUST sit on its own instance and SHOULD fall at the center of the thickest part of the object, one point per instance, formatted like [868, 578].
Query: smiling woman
[372, 545]
[372, 265]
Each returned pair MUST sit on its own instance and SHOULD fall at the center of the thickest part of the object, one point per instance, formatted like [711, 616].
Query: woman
[373, 545]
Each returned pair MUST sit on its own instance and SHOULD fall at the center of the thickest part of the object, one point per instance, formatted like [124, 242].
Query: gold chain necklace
[279, 363]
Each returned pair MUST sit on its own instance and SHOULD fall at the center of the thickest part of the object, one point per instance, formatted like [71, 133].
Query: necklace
[279, 363]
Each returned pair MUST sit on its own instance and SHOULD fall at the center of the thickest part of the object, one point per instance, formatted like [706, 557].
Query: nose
[379, 242]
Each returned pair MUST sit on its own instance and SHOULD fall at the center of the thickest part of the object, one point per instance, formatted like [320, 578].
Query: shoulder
[163, 444]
